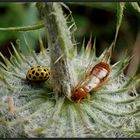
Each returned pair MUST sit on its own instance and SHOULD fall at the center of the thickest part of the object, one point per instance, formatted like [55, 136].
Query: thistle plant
[45, 109]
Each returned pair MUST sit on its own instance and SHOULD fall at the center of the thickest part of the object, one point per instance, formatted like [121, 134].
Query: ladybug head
[78, 94]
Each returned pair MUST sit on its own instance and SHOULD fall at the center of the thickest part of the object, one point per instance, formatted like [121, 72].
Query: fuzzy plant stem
[60, 44]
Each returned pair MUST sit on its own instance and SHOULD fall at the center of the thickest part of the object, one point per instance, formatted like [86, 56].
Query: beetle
[95, 77]
[38, 74]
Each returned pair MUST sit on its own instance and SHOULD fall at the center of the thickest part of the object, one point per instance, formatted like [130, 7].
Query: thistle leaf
[120, 9]
[38, 112]
[135, 6]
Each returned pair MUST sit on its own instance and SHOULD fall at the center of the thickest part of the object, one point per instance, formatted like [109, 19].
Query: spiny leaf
[32, 51]
[6, 61]
[94, 48]
[16, 53]
[41, 45]
[120, 9]
[132, 82]
[82, 50]
[136, 6]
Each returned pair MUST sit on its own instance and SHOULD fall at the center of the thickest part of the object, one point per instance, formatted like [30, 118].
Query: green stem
[24, 28]
[60, 45]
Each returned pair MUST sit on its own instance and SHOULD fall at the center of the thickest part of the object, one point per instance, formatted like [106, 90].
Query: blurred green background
[98, 18]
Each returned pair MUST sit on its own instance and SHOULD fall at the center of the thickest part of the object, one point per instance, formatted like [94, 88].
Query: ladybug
[38, 74]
